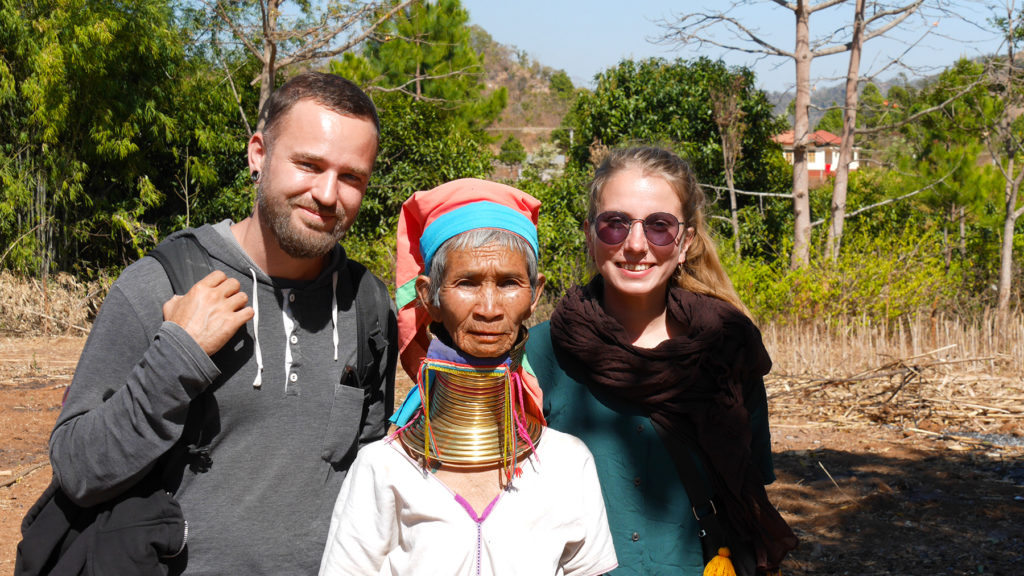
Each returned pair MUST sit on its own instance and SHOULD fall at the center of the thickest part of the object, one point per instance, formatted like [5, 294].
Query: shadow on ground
[917, 512]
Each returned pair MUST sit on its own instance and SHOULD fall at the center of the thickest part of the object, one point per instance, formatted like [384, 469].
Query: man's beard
[296, 241]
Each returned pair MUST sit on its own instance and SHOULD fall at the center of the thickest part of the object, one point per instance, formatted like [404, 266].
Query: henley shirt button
[291, 297]
[293, 376]
[293, 339]
[636, 536]
[639, 427]
[636, 481]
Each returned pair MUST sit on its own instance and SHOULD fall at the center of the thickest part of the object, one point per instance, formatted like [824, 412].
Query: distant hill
[823, 97]
[538, 96]
[535, 108]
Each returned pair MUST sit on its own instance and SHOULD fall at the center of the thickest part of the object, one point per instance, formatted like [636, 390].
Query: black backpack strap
[184, 260]
[372, 306]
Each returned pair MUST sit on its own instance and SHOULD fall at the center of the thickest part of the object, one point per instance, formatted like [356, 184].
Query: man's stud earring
[255, 176]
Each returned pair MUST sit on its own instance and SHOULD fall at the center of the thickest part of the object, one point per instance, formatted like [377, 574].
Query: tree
[563, 253]
[669, 102]
[427, 55]
[842, 178]
[560, 84]
[93, 102]
[512, 154]
[16, 234]
[419, 149]
[320, 31]
[700, 29]
[832, 121]
[945, 147]
[1005, 136]
[729, 118]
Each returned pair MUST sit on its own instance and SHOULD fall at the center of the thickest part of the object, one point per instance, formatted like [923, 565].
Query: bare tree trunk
[419, 86]
[268, 75]
[44, 236]
[839, 188]
[729, 118]
[184, 189]
[947, 244]
[338, 28]
[801, 126]
[1008, 141]
[734, 215]
[1006, 249]
[963, 232]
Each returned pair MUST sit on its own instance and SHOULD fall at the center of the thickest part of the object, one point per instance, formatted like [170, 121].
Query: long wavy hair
[702, 272]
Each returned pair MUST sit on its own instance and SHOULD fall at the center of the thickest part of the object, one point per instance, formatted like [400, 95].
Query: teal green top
[652, 525]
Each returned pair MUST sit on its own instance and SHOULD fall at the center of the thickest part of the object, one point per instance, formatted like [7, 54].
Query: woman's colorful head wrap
[427, 220]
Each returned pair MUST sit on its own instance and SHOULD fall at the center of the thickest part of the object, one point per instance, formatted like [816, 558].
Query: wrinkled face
[485, 298]
[635, 267]
[313, 177]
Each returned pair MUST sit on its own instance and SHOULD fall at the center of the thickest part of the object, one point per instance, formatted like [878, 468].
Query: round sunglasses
[660, 228]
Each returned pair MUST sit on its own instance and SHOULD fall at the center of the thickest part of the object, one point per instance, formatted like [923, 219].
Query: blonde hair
[702, 271]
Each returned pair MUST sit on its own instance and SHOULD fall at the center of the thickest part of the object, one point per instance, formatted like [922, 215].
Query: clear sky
[586, 37]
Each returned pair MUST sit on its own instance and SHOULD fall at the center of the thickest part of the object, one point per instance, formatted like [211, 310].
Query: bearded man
[262, 350]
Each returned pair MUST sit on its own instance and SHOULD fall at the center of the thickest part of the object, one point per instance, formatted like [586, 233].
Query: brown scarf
[692, 386]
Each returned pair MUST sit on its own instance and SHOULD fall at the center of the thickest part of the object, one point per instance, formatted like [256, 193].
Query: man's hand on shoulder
[211, 312]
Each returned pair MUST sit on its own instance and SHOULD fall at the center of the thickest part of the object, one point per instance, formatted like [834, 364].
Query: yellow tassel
[720, 565]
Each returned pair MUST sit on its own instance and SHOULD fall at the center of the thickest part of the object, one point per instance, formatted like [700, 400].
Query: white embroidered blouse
[393, 518]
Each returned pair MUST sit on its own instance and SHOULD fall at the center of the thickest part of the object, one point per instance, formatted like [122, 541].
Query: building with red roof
[822, 154]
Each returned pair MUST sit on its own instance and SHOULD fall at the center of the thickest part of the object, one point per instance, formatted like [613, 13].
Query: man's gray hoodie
[283, 425]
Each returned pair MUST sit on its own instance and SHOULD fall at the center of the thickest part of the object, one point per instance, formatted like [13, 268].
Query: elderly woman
[473, 483]
[657, 367]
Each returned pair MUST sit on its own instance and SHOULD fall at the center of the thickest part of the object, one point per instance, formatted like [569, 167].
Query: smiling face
[635, 268]
[484, 299]
[314, 173]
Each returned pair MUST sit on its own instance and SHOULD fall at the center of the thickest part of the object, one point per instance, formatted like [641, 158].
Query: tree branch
[683, 33]
[364, 34]
[320, 36]
[238, 99]
[907, 11]
[822, 5]
[748, 193]
[921, 113]
[420, 78]
[237, 31]
[898, 198]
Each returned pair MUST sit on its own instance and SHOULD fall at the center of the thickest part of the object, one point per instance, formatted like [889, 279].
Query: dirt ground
[865, 496]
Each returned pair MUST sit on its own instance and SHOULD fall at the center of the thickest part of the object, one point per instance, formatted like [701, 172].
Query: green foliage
[669, 102]
[91, 78]
[112, 133]
[878, 277]
[206, 174]
[563, 253]
[419, 149]
[832, 121]
[945, 152]
[560, 84]
[426, 53]
[512, 152]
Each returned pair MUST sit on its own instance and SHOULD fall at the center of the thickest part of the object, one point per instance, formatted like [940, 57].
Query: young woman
[655, 365]
[474, 483]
